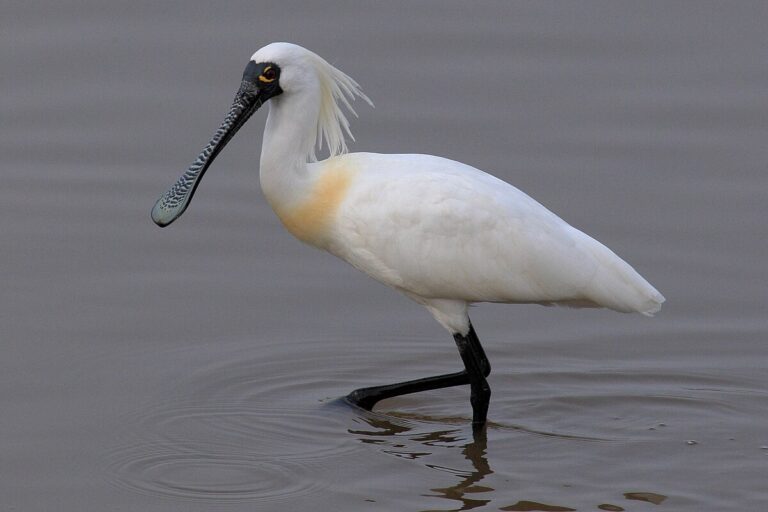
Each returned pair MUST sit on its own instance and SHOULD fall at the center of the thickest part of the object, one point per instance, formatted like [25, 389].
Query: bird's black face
[261, 81]
[266, 77]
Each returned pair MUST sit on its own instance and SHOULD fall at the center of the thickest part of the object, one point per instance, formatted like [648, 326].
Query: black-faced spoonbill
[445, 234]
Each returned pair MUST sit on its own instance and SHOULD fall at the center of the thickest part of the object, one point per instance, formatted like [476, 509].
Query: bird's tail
[618, 286]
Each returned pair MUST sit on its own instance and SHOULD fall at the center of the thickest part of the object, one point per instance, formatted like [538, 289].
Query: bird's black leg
[368, 397]
[477, 349]
[476, 369]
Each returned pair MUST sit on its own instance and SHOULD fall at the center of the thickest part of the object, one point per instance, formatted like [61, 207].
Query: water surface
[199, 367]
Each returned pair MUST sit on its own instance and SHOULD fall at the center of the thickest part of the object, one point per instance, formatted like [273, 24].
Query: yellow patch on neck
[311, 219]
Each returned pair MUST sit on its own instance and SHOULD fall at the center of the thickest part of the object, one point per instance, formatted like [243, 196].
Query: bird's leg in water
[476, 369]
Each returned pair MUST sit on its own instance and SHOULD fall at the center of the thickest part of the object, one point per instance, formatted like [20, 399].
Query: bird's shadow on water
[398, 436]
[405, 436]
[419, 437]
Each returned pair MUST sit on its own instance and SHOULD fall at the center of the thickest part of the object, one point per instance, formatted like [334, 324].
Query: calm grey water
[196, 368]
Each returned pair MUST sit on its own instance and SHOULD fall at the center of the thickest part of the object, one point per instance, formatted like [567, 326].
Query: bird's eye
[268, 75]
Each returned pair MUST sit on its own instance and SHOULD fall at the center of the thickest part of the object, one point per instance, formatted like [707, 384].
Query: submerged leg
[476, 369]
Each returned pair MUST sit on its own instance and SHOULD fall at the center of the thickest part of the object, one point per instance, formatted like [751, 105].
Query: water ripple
[241, 428]
[163, 470]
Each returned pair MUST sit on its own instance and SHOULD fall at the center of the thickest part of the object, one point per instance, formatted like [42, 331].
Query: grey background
[196, 367]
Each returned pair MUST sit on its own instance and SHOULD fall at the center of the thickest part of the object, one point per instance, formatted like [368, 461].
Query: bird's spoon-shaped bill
[172, 204]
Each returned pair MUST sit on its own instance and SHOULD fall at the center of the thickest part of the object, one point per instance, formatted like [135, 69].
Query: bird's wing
[440, 229]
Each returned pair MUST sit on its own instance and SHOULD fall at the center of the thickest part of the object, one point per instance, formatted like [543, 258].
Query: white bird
[443, 233]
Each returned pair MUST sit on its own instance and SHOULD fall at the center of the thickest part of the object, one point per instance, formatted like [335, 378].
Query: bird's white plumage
[328, 87]
[443, 233]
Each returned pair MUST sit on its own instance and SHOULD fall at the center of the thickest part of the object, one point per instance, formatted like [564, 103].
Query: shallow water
[199, 367]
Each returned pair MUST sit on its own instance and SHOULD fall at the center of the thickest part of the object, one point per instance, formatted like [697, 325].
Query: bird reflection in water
[397, 438]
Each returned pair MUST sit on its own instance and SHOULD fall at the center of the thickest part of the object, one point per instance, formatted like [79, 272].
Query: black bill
[173, 203]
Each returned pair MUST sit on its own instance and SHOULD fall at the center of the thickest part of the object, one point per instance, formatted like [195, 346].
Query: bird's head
[288, 67]
[275, 70]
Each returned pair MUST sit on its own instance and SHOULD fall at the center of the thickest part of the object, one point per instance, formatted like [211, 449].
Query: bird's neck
[289, 135]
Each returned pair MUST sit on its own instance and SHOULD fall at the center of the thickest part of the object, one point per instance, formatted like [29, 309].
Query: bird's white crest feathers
[336, 90]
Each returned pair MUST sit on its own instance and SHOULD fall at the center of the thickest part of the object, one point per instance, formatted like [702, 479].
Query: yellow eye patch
[268, 75]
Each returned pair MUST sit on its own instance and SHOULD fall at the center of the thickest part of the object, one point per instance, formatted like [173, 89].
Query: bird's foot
[363, 398]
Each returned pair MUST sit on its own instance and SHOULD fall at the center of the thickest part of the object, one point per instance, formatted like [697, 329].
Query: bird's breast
[312, 217]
